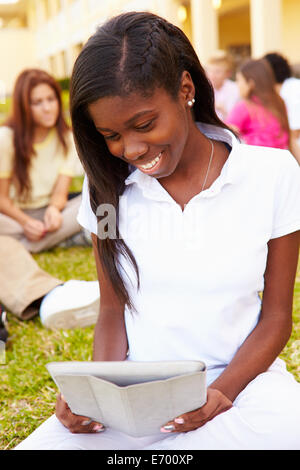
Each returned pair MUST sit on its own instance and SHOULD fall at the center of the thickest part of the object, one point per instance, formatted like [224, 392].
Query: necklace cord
[209, 164]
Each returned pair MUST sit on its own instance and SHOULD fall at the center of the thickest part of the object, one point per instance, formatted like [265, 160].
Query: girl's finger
[167, 428]
[90, 426]
[179, 420]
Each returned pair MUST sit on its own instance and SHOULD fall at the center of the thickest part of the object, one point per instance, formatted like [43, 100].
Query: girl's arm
[59, 197]
[110, 339]
[7, 206]
[33, 229]
[263, 344]
[273, 330]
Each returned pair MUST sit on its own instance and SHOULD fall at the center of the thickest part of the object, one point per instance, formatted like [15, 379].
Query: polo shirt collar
[229, 174]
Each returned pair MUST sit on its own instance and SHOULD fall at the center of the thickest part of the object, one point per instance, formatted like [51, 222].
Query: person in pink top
[260, 117]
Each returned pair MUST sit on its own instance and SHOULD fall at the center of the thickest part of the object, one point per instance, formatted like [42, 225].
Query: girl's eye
[111, 137]
[145, 126]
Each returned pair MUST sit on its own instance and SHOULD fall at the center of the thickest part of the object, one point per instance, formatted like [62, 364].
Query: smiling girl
[146, 129]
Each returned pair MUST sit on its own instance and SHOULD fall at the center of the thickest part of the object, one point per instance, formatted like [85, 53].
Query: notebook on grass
[136, 398]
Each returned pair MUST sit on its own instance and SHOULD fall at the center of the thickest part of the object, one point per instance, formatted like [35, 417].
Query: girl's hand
[216, 403]
[34, 229]
[52, 218]
[75, 423]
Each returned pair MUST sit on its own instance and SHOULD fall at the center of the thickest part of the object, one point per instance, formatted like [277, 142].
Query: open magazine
[136, 398]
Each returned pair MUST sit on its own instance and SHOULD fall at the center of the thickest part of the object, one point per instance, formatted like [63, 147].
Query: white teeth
[151, 164]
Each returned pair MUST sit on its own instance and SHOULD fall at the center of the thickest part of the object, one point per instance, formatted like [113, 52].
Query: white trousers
[265, 416]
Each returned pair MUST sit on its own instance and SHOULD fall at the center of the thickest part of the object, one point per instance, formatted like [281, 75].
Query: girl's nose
[46, 106]
[134, 150]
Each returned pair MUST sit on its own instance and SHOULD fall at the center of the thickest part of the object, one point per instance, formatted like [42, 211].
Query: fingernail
[86, 423]
[98, 428]
[168, 428]
[179, 420]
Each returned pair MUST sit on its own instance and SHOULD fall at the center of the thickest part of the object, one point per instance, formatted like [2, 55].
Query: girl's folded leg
[52, 435]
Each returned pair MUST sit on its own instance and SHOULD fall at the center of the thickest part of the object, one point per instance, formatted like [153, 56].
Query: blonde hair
[222, 58]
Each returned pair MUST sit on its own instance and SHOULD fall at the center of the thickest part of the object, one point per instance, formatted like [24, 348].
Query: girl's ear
[187, 88]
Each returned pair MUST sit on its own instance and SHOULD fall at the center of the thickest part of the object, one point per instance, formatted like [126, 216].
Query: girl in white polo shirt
[204, 225]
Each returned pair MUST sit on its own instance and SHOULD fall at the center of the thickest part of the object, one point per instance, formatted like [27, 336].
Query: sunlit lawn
[28, 394]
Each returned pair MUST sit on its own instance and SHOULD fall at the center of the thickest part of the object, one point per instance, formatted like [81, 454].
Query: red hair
[22, 123]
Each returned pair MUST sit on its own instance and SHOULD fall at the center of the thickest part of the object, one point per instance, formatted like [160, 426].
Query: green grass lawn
[28, 394]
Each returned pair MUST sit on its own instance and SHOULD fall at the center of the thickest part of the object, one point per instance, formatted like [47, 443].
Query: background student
[289, 89]
[37, 162]
[260, 118]
[220, 70]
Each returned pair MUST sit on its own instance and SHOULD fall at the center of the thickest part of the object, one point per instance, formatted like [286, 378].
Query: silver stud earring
[191, 102]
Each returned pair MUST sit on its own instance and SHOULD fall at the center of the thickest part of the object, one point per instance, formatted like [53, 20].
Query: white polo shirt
[201, 269]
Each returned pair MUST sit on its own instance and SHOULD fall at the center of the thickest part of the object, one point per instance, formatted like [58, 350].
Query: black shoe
[3, 330]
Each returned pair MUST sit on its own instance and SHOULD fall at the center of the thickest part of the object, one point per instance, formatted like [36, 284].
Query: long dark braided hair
[136, 51]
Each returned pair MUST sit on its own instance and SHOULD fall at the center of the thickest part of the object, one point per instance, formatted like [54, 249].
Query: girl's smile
[152, 166]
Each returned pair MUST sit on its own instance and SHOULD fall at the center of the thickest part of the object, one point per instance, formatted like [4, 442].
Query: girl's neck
[40, 134]
[195, 152]
[253, 99]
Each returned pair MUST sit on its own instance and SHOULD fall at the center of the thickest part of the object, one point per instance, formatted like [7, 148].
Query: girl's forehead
[41, 89]
[130, 99]
[123, 108]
